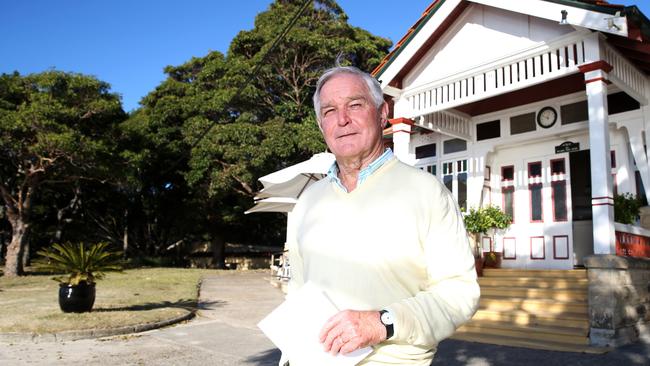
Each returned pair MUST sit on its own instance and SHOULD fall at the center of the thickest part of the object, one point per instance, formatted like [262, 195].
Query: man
[385, 241]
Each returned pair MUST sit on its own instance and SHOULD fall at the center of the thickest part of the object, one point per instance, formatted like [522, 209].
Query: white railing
[624, 74]
[538, 64]
[446, 123]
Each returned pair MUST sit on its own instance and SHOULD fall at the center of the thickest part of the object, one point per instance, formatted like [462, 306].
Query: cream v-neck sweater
[396, 242]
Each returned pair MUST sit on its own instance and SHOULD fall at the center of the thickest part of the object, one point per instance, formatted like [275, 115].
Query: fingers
[350, 330]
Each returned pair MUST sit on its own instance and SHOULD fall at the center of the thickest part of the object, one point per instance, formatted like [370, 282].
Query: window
[535, 169]
[488, 130]
[462, 184]
[448, 175]
[574, 112]
[621, 102]
[507, 173]
[612, 156]
[535, 190]
[431, 169]
[559, 190]
[509, 201]
[508, 190]
[454, 177]
[425, 151]
[522, 123]
[557, 167]
[559, 200]
[454, 145]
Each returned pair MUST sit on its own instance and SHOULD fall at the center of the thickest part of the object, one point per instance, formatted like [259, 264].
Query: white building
[538, 107]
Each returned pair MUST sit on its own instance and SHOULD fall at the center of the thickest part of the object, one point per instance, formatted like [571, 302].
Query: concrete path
[225, 333]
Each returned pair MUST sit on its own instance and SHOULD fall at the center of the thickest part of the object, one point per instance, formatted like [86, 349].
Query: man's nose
[343, 117]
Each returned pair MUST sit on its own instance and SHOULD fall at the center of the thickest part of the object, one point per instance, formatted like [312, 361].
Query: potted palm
[485, 220]
[83, 265]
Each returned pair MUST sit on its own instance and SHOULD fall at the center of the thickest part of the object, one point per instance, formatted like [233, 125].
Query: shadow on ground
[458, 353]
[184, 304]
[266, 358]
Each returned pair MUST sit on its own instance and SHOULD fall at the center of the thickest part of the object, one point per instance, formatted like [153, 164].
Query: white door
[539, 194]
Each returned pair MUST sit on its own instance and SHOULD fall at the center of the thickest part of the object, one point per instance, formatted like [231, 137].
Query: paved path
[225, 333]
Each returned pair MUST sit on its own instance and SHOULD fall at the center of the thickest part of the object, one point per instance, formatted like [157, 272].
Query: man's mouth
[346, 135]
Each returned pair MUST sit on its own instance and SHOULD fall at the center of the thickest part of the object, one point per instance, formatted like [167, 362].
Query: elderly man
[385, 241]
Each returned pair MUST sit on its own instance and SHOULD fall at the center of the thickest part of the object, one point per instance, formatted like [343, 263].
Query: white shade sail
[282, 188]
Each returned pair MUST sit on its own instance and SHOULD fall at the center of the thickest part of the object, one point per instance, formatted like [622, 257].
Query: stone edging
[73, 335]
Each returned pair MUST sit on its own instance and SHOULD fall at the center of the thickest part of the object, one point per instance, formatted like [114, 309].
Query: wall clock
[546, 117]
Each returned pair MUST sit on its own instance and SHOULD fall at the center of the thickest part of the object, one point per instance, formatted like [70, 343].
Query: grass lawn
[135, 296]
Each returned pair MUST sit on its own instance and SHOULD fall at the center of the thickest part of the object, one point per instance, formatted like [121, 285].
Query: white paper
[294, 327]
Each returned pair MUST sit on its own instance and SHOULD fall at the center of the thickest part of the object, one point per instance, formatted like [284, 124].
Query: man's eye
[355, 105]
[327, 112]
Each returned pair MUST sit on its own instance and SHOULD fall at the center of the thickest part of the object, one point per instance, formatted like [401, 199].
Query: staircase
[542, 309]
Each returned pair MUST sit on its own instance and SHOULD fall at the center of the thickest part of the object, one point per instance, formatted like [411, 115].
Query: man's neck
[349, 168]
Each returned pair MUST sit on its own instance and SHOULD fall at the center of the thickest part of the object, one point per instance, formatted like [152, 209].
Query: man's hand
[350, 330]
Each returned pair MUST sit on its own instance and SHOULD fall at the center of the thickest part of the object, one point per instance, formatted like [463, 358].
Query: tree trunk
[125, 234]
[218, 252]
[26, 258]
[14, 257]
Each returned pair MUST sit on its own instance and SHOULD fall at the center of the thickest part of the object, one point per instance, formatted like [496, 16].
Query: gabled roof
[636, 46]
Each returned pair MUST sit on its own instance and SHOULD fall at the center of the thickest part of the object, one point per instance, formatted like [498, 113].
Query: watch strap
[390, 329]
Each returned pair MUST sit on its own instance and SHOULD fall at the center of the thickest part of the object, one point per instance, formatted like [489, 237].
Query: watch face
[546, 117]
[386, 318]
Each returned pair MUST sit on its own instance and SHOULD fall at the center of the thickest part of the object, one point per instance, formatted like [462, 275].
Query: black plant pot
[76, 299]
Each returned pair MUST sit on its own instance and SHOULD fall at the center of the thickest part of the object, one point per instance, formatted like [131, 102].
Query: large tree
[56, 129]
[266, 127]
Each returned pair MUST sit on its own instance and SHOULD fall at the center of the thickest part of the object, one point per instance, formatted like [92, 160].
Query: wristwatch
[387, 320]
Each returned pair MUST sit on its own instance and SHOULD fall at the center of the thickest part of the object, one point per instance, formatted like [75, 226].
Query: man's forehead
[358, 89]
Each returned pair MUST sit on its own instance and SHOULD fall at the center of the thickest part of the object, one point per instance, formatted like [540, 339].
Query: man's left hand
[350, 330]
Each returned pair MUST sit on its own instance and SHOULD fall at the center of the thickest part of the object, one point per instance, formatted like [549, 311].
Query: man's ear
[383, 114]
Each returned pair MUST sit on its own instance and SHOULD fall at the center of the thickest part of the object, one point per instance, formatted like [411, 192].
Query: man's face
[350, 122]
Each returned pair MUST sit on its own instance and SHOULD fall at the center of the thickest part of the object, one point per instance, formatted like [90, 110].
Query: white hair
[374, 88]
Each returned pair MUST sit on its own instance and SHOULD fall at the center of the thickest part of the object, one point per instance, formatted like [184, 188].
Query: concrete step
[533, 305]
[532, 282]
[571, 295]
[525, 318]
[540, 333]
[541, 273]
[527, 343]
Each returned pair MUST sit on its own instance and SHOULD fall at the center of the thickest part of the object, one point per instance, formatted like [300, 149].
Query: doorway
[583, 233]
[580, 163]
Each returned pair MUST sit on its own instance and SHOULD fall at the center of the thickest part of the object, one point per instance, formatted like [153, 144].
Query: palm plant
[82, 263]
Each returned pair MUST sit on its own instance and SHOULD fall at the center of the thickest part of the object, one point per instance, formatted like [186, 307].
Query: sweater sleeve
[450, 295]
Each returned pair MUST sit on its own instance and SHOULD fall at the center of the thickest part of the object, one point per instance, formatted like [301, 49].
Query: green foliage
[81, 262]
[483, 219]
[269, 126]
[626, 208]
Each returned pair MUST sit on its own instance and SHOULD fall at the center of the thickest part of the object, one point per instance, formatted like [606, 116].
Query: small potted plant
[626, 208]
[481, 221]
[83, 265]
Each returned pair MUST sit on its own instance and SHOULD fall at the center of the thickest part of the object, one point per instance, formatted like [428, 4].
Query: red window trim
[543, 248]
[504, 247]
[554, 246]
[540, 169]
[503, 200]
[530, 202]
[503, 179]
[566, 205]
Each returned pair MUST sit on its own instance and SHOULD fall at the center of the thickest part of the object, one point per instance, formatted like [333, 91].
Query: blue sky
[127, 43]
